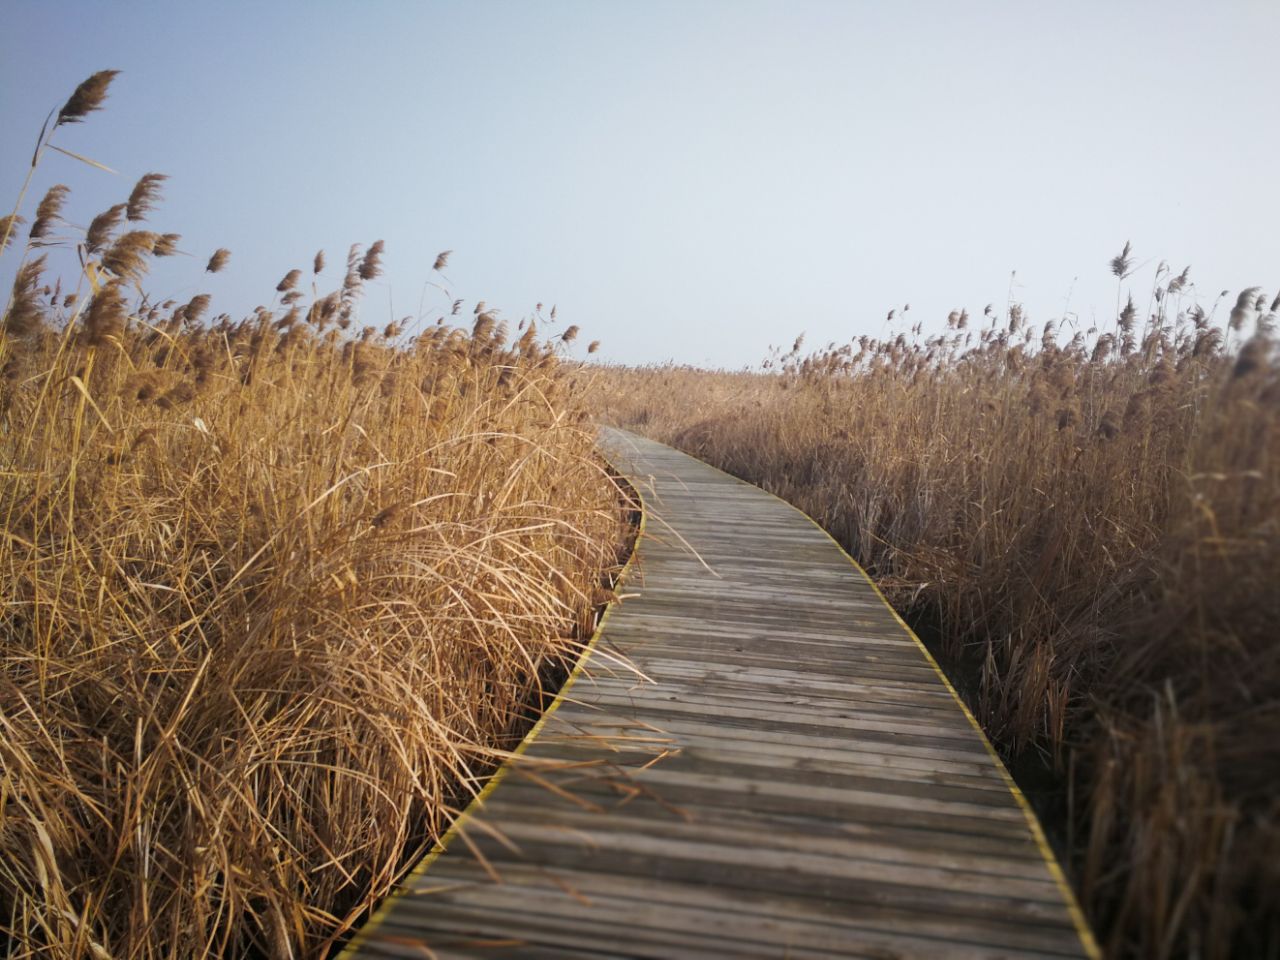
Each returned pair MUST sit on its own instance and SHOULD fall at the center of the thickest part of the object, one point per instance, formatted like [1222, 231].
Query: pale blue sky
[690, 180]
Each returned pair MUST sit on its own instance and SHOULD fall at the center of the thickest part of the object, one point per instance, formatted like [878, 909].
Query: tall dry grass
[274, 593]
[1091, 523]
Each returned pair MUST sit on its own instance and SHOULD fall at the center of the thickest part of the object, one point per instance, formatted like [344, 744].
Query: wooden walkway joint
[782, 772]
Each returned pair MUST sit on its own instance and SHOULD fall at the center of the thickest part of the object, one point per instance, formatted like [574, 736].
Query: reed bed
[275, 593]
[1089, 523]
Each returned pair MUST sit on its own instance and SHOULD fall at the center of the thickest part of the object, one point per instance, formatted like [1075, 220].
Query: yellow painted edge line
[368, 929]
[1083, 930]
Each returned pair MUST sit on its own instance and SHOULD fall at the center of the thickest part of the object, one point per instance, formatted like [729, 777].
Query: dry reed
[272, 599]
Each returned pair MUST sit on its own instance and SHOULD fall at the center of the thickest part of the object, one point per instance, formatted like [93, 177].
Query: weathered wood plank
[759, 760]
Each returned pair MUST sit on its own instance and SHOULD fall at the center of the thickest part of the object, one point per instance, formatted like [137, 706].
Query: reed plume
[1246, 306]
[196, 307]
[1122, 262]
[127, 256]
[49, 211]
[88, 97]
[104, 320]
[102, 227]
[8, 226]
[371, 265]
[219, 260]
[145, 195]
[26, 313]
[166, 245]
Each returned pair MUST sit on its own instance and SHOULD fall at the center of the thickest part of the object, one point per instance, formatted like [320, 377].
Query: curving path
[760, 760]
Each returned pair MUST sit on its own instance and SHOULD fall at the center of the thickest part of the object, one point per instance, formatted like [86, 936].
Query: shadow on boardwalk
[781, 771]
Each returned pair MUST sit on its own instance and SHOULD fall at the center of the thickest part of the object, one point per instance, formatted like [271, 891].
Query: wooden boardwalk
[793, 778]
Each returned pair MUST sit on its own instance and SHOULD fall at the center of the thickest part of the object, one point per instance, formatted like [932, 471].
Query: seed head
[483, 326]
[102, 226]
[371, 265]
[1121, 263]
[126, 258]
[49, 210]
[1102, 349]
[196, 307]
[1127, 316]
[166, 245]
[218, 260]
[442, 260]
[8, 227]
[323, 310]
[351, 282]
[105, 317]
[527, 341]
[146, 192]
[290, 281]
[25, 313]
[1244, 308]
[87, 98]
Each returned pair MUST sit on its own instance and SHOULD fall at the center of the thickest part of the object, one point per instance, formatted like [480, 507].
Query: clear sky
[688, 180]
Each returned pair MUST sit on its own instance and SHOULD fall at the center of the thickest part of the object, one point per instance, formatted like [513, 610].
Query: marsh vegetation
[1089, 521]
[275, 592]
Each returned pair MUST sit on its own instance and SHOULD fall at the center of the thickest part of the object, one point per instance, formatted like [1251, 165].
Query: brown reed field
[274, 593]
[1088, 525]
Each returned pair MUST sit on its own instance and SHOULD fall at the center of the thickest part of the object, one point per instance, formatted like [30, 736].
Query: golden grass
[1092, 524]
[273, 596]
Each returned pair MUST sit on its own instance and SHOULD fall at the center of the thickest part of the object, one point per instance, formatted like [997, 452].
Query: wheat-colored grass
[274, 594]
[1092, 524]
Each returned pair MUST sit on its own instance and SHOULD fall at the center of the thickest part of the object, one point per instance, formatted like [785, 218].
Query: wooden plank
[739, 834]
[831, 768]
[849, 732]
[910, 833]
[731, 704]
[759, 761]
[816, 750]
[604, 792]
[985, 912]
[671, 931]
[778, 911]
